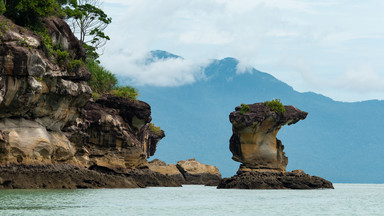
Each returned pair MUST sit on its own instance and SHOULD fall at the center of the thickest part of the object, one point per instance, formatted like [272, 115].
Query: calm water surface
[346, 199]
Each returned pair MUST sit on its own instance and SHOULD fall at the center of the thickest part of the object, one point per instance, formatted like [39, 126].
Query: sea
[345, 199]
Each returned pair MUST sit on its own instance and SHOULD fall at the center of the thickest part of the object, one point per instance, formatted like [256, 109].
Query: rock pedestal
[255, 145]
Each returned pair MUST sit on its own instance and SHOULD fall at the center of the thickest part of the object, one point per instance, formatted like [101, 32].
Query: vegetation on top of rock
[103, 82]
[154, 129]
[244, 108]
[275, 105]
[29, 13]
[90, 21]
[73, 64]
[125, 92]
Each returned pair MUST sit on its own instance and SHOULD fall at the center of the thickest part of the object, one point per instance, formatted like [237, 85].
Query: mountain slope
[338, 141]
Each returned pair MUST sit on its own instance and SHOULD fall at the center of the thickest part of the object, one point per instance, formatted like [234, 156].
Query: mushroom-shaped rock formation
[255, 145]
[254, 141]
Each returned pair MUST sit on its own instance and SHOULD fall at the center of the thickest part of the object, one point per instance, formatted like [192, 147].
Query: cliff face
[255, 145]
[47, 116]
[114, 133]
[38, 98]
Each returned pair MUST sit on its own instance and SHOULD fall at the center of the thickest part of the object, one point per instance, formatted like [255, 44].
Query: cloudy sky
[332, 47]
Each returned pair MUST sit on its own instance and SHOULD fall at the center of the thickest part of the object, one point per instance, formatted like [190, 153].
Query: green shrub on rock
[102, 80]
[275, 105]
[244, 108]
[154, 129]
[125, 92]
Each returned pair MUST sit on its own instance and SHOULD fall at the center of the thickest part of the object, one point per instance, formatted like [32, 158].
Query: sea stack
[254, 144]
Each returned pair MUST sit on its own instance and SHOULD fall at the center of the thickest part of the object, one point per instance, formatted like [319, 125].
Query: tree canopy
[89, 24]
[30, 12]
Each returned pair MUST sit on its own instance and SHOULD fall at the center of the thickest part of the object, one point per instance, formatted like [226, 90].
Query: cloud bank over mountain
[332, 47]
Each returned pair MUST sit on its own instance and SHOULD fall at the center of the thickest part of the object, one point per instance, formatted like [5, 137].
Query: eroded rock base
[61, 176]
[274, 180]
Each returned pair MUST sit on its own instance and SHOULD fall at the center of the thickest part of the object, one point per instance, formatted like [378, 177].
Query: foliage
[244, 108]
[62, 57]
[88, 22]
[2, 7]
[102, 80]
[30, 12]
[125, 92]
[73, 64]
[3, 26]
[275, 105]
[154, 129]
[95, 95]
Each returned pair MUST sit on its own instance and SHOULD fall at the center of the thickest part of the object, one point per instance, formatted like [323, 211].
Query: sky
[331, 47]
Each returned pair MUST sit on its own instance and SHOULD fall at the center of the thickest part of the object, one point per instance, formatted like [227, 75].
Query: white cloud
[305, 43]
[243, 67]
[160, 72]
[361, 78]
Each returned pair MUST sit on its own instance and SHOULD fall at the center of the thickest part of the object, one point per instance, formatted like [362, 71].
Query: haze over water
[345, 199]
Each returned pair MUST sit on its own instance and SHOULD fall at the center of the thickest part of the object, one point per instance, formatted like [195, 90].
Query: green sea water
[345, 199]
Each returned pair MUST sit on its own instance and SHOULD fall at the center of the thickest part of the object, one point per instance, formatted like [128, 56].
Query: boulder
[188, 172]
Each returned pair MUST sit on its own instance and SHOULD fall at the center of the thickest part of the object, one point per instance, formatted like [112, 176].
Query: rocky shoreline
[64, 176]
[54, 134]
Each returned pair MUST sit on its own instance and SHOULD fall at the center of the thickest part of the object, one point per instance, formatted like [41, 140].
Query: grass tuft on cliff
[125, 92]
[105, 82]
[275, 105]
[154, 129]
[244, 108]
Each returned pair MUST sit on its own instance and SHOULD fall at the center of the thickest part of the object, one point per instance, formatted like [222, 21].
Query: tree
[88, 24]
[30, 12]
[2, 7]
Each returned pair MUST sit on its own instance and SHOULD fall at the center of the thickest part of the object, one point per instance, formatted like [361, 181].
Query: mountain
[339, 141]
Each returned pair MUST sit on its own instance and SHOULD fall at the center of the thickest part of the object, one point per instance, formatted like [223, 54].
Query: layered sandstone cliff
[255, 145]
[50, 126]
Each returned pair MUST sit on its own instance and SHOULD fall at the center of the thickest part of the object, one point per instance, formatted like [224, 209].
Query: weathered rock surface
[255, 145]
[114, 133]
[188, 172]
[52, 134]
[274, 180]
[254, 141]
[60, 176]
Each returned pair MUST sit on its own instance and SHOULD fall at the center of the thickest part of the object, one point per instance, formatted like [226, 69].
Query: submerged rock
[188, 172]
[255, 145]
